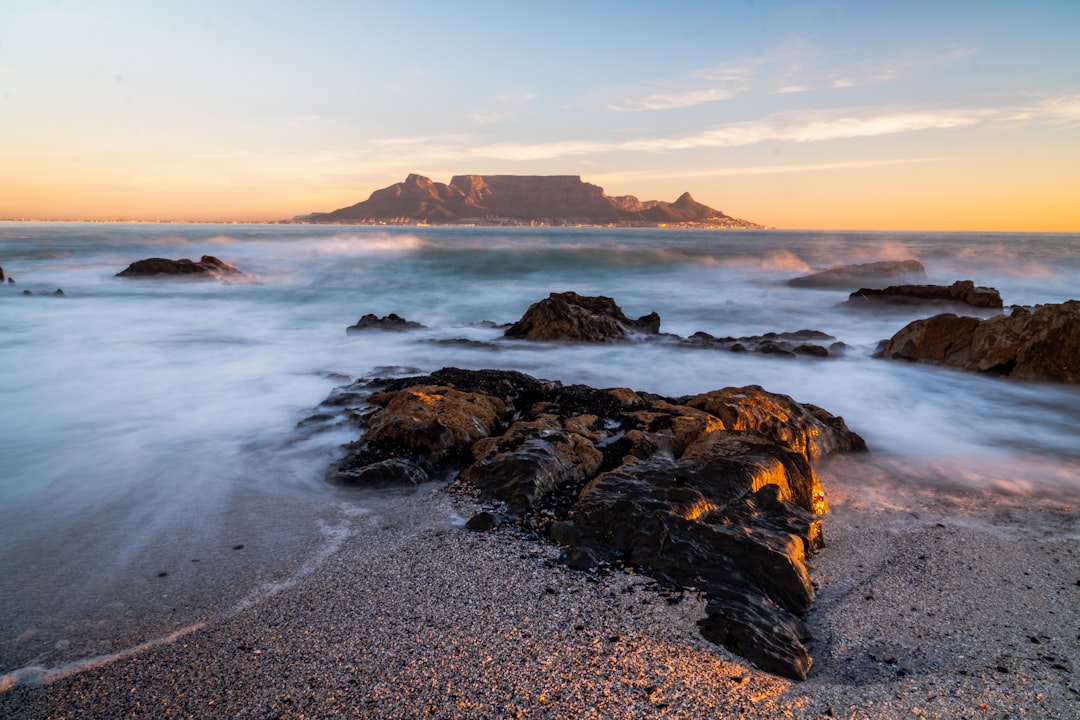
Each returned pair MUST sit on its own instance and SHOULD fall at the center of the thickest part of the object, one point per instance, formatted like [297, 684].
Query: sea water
[154, 469]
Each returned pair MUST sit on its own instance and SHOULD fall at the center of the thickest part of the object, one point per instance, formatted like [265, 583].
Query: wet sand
[933, 602]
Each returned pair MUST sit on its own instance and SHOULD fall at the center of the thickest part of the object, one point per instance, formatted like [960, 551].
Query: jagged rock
[208, 265]
[860, 275]
[392, 321]
[713, 491]
[788, 344]
[962, 291]
[1040, 343]
[571, 317]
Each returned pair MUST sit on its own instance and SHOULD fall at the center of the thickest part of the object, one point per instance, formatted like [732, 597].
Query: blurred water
[148, 427]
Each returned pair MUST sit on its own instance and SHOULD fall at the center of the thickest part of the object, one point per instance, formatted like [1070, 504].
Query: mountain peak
[521, 199]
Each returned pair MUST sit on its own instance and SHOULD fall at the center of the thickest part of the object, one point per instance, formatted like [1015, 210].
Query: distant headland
[520, 200]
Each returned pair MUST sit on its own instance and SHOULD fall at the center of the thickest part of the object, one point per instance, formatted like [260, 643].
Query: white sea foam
[146, 425]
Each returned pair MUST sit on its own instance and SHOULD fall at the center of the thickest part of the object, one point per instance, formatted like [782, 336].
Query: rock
[1040, 343]
[715, 491]
[571, 317]
[788, 344]
[861, 275]
[1, 274]
[962, 291]
[59, 292]
[389, 322]
[11, 280]
[483, 521]
[208, 265]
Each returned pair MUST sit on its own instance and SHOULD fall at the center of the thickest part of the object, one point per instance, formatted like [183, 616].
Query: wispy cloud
[804, 126]
[700, 87]
[502, 107]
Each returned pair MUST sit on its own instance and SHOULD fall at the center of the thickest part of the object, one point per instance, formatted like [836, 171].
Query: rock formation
[208, 266]
[861, 275]
[963, 292]
[714, 492]
[1, 274]
[553, 199]
[393, 321]
[568, 316]
[1040, 343]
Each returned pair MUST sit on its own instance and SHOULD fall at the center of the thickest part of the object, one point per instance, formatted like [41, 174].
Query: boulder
[389, 322]
[860, 275]
[1, 274]
[715, 491]
[1040, 343]
[208, 266]
[571, 317]
[963, 292]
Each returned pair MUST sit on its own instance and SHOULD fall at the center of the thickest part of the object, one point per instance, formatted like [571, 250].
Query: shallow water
[148, 427]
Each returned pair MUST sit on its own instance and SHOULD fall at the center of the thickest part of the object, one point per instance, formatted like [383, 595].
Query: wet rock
[1, 274]
[483, 521]
[789, 344]
[571, 317]
[389, 322]
[860, 275]
[715, 491]
[1040, 343]
[59, 293]
[963, 292]
[208, 266]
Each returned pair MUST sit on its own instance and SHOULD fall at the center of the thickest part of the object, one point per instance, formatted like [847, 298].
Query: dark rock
[59, 292]
[715, 491]
[860, 275]
[27, 292]
[208, 266]
[788, 344]
[392, 471]
[11, 281]
[962, 292]
[483, 521]
[1040, 343]
[1, 274]
[571, 317]
[389, 322]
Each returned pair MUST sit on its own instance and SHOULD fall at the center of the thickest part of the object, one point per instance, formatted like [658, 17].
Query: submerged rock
[790, 344]
[571, 317]
[392, 321]
[860, 275]
[208, 265]
[964, 292]
[713, 491]
[1040, 343]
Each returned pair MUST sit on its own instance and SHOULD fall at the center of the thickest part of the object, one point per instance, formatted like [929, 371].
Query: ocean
[155, 472]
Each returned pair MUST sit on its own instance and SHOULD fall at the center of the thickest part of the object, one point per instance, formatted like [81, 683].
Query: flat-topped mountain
[520, 199]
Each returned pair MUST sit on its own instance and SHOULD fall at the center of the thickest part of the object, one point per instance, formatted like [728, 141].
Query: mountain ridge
[517, 200]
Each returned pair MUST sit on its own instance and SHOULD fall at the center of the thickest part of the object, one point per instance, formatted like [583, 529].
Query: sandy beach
[933, 602]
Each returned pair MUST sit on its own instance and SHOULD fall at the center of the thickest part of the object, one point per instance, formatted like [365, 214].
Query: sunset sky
[917, 115]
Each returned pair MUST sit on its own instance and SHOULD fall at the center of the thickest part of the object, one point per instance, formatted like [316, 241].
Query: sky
[957, 115]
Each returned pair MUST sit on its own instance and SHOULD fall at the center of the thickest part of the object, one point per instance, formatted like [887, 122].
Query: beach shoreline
[932, 602]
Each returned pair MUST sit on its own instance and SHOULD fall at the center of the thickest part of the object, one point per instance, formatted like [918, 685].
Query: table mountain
[519, 199]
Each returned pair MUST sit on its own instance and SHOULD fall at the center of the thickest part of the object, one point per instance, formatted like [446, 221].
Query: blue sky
[958, 115]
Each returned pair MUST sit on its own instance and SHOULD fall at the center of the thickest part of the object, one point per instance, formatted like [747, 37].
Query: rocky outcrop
[570, 317]
[1040, 343]
[208, 266]
[964, 292]
[715, 492]
[1, 274]
[554, 199]
[787, 344]
[393, 321]
[860, 275]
